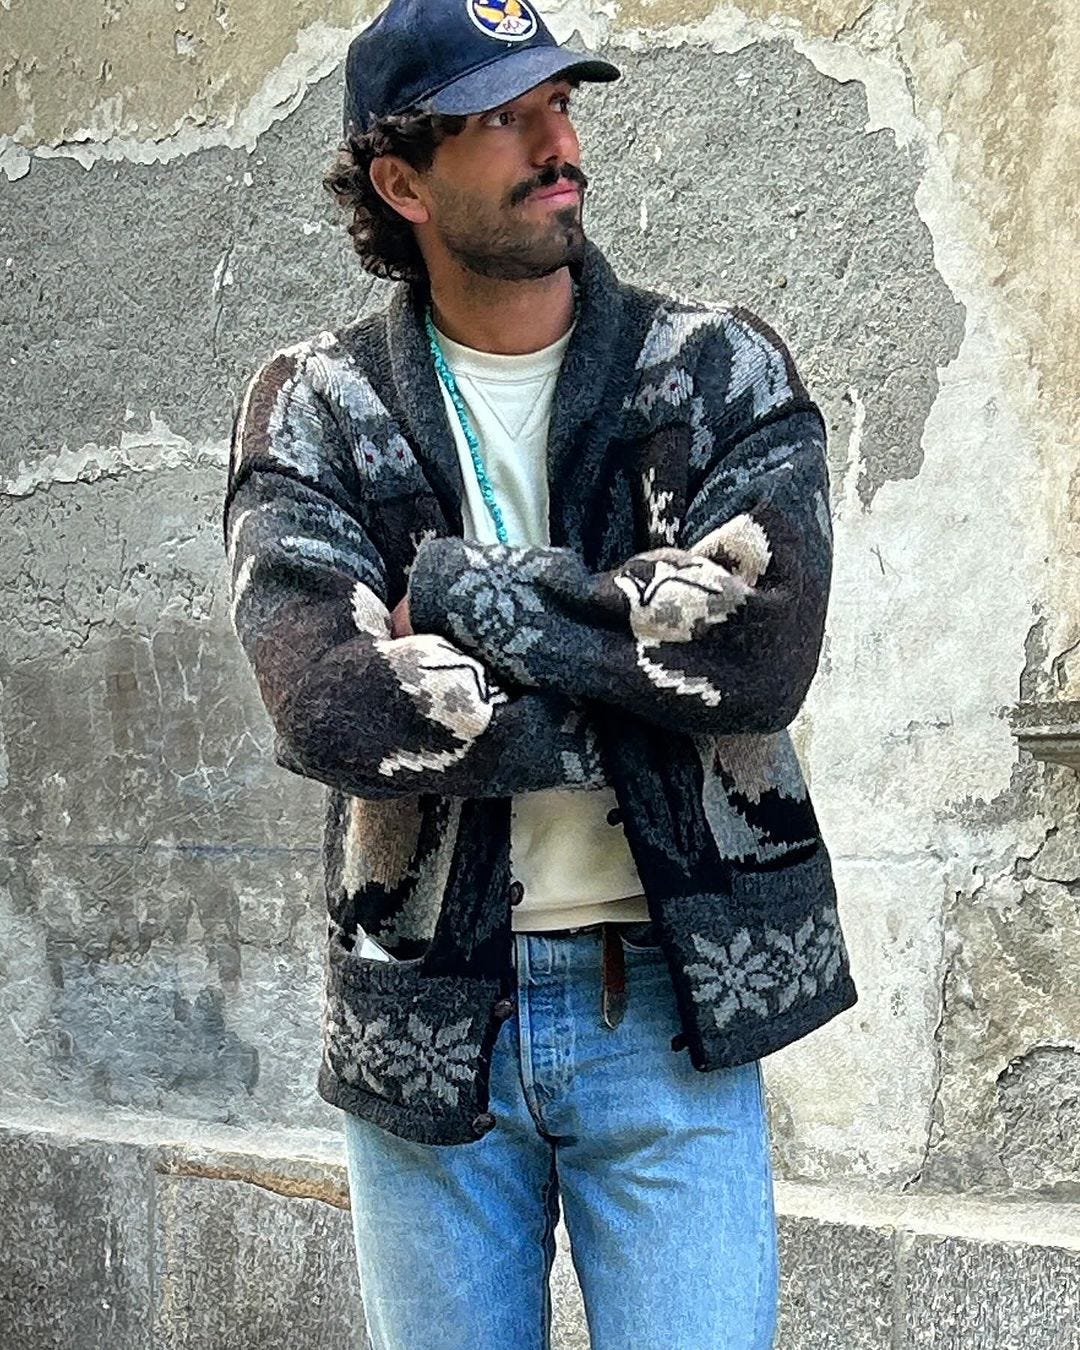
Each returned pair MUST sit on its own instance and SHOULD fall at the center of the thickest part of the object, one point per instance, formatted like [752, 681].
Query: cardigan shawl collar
[602, 339]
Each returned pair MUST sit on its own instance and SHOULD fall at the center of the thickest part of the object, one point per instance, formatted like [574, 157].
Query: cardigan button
[504, 1008]
[614, 816]
[516, 892]
[483, 1122]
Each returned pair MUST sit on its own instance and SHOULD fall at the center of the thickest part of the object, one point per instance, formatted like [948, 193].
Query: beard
[497, 242]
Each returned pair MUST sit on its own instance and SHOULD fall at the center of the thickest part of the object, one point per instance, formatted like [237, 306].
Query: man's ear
[395, 181]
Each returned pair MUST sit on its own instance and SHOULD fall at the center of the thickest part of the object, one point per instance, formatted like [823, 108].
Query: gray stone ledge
[1049, 731]
[1004, 1217]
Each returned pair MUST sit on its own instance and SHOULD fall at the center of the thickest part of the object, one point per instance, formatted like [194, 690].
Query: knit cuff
[437, 563]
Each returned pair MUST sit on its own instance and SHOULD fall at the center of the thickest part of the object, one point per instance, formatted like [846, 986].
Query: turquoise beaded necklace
[471, 439]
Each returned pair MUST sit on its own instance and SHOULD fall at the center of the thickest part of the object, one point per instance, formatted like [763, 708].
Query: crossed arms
[719, 632]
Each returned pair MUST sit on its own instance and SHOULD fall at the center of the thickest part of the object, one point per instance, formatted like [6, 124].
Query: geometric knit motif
[766, 976]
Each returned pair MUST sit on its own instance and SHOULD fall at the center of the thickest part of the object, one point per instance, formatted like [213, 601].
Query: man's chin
[566, 242]
[565, 247]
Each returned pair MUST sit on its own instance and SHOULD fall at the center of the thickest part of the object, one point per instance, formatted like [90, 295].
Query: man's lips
[561, 192]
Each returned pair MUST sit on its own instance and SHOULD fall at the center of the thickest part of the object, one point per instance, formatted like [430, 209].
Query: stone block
[74, 1257]
[966, 1295]
[836, 1286]
[264, 1261]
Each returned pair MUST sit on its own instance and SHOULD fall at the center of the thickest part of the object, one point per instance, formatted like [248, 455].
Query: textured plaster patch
[25, 986]
[923, 654]
[14, 159]
[855, 1096]
[157, 337]
[824, 18]
[763, 185]
[151, 86]
[137, 453]
[146, 988]
[4, 766]
[113, 576]
[1011, 989]
[1039, 1103]
[998, 87]
[160, 912]
[1011, 1015]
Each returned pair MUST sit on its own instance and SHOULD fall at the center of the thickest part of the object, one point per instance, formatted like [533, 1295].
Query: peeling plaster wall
[890, 185]
[149, 81]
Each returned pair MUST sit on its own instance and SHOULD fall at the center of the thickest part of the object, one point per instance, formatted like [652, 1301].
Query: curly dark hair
[385, 240]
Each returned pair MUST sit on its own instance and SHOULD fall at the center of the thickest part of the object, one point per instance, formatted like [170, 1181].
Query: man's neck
[506, 318]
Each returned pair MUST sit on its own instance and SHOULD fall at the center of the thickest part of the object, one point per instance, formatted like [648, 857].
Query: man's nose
[555, 141]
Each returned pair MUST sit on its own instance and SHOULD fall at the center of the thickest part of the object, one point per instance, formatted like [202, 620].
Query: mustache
[547, 177]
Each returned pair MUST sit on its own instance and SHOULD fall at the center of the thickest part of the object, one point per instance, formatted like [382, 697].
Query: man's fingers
[399, 619]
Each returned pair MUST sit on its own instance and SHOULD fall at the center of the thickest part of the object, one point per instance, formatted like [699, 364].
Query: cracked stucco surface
[93, 72]
[888, 185]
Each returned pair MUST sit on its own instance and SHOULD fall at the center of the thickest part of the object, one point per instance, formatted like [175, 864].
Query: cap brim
[512, 74]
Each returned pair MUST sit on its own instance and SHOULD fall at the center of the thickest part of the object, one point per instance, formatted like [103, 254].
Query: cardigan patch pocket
[415, 1041]
[785, 894]
[777, 944]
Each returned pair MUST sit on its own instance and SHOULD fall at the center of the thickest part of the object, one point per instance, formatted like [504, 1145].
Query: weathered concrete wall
[892, 186]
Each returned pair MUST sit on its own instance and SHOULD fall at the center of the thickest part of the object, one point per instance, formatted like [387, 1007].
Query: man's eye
[563, 102]
[499, 119]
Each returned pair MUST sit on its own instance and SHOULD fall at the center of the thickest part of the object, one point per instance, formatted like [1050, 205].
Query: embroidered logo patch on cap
[510, 20]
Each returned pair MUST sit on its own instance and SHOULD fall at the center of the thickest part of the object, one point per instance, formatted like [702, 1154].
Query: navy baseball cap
[454, 56]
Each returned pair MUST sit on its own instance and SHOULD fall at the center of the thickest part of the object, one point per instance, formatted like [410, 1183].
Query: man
[532, 570]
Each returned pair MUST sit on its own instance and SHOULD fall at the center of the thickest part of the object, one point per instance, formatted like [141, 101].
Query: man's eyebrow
[558, 86]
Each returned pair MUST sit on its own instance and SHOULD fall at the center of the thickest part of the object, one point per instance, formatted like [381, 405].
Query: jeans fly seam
[530, 1087]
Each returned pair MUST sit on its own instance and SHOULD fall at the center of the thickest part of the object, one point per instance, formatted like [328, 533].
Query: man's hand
[399, 619]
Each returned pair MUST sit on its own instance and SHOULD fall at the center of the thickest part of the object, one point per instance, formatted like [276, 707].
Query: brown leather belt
[612, 975]
[613, 994]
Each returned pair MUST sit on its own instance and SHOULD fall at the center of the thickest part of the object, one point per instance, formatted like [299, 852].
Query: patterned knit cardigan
[660, 646]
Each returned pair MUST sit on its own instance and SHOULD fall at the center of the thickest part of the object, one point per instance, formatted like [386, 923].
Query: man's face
[505, 195]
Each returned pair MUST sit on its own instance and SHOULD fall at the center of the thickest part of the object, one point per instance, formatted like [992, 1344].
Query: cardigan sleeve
[717, 631]
[352, 707]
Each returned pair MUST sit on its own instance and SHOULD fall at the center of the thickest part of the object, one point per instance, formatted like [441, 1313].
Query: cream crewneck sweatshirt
[574, 864]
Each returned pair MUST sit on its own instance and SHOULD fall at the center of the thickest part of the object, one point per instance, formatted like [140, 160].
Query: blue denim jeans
[663, 1174]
